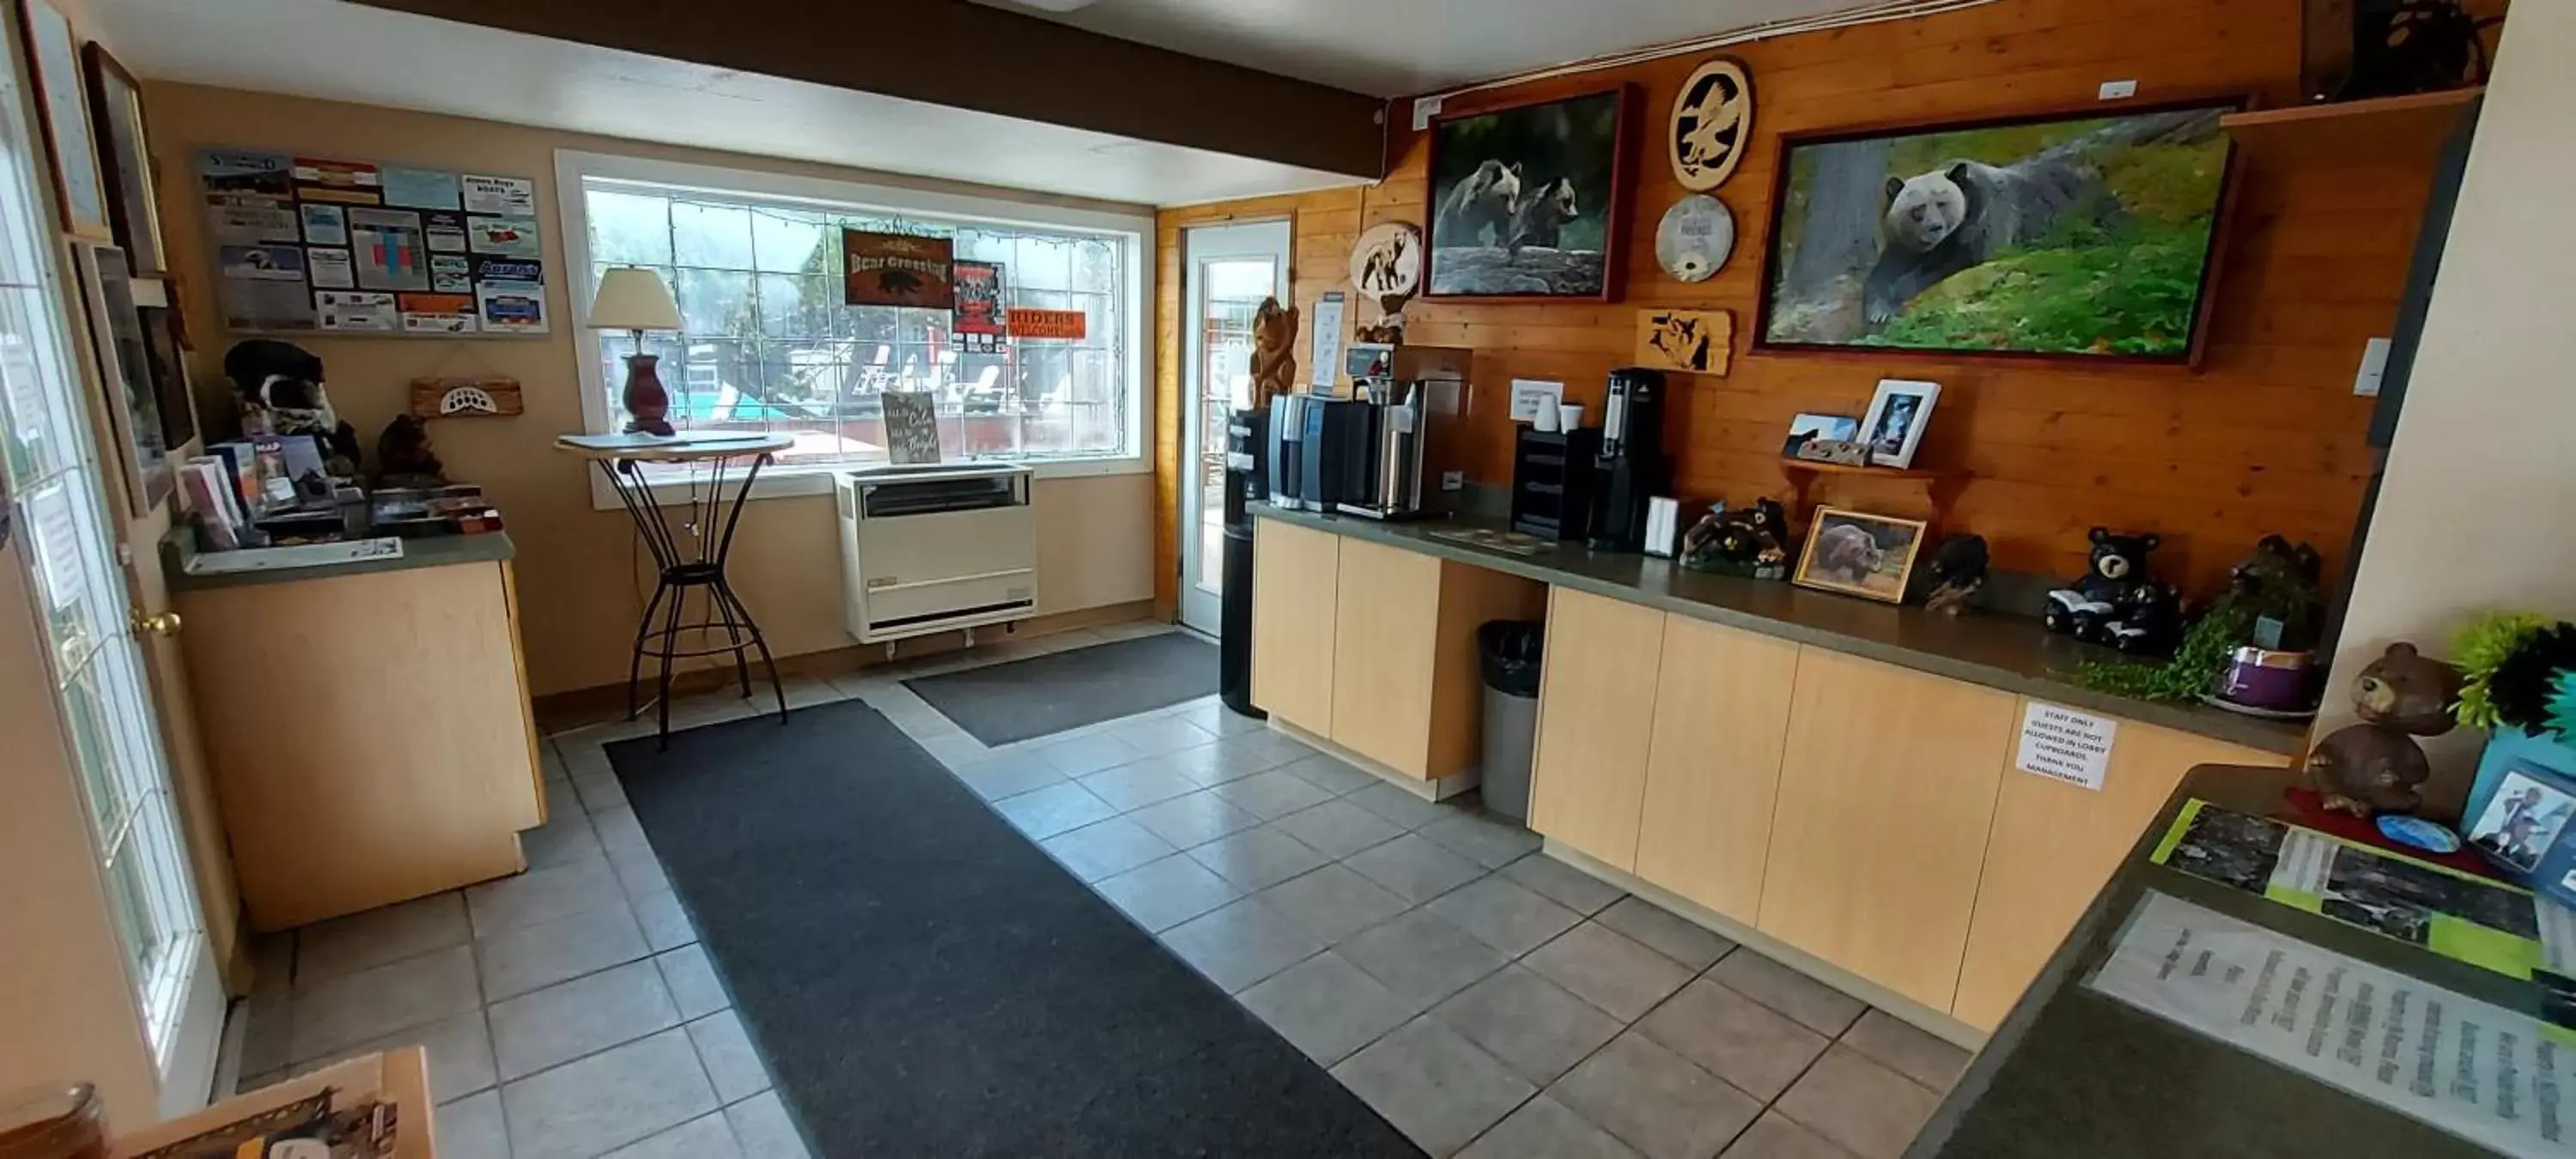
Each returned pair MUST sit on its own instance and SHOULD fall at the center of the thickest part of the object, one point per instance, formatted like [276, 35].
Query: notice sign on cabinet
[2062, 744]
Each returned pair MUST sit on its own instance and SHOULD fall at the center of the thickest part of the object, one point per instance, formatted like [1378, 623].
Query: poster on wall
[979, 320]
[1071, 325]
[894, 269]
[353, 246]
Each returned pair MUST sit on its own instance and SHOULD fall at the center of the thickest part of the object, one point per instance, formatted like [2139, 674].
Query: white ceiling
[339, 51]
[1393, 48]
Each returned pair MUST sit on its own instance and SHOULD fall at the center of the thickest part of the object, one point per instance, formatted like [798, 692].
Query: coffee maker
[1630, 468]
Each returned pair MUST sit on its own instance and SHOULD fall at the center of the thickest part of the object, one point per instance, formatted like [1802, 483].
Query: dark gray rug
[924, 981]
[1001, 703]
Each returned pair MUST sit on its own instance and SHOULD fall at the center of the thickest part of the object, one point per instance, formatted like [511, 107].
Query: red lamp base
[647, 403]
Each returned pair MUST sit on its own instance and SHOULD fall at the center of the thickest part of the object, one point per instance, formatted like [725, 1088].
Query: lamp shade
[633, 298]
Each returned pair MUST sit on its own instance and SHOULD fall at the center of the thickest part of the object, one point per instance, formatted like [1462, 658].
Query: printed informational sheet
[349, 245]
[1327, 355]
[2065, 745]
[2457, 915]
[2486, 1074]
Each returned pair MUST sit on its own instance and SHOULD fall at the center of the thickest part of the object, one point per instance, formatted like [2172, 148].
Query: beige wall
[2473, 511]
[574, 578]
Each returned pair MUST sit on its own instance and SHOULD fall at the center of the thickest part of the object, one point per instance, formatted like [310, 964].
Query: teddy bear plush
[2375, 766]
[2117, 602]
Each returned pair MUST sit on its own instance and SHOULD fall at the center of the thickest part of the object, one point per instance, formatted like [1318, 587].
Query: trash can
[1509, 653]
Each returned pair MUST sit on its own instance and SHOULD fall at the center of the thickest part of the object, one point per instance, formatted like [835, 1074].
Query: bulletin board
[316, 245]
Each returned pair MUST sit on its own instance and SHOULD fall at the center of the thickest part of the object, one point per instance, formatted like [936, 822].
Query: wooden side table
[696, 562]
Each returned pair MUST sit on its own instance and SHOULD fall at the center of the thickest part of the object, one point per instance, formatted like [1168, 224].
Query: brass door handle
[165, 624]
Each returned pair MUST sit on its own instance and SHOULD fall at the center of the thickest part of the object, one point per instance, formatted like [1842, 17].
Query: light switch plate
[1453, 480]
[2119, 90]
[2374, 367]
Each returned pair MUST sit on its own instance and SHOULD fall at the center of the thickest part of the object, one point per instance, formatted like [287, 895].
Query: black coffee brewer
[1630, 467]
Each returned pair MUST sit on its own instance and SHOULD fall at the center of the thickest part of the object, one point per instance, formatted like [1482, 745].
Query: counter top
[433, 551]
[2073, 1072]
[2010, 653]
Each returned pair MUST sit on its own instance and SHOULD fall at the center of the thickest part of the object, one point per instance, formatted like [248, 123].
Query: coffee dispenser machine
[1630, 468]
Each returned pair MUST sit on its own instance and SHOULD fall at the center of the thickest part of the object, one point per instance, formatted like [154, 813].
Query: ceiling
[338, 51]
[1393, 48]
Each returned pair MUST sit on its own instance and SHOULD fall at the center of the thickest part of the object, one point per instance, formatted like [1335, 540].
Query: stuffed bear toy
[2375, 766]
[2117, 602]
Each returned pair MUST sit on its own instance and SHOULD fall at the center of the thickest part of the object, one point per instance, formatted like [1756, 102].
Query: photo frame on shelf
[54, 55]
[1529, 202]
[125, 160]
[1897, 416]
[1859, 554]
[124, 366]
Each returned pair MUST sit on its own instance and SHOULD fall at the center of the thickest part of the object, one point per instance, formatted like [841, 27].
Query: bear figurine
[2375, 766]
[2117, 603]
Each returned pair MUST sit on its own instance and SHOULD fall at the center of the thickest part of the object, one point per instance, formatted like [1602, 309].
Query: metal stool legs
[682, 571]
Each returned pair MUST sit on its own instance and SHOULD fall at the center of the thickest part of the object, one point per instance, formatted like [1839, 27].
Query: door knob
[165, 624]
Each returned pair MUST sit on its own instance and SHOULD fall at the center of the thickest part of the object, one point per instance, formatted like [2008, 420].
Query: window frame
[1136, 230]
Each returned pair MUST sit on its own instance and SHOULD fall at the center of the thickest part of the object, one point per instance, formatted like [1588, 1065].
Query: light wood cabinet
[1887, 786]
[369, 735]
[1713, 764]
[2053, 845]
[1596, 717]
[1295, 573]
[1406, 689]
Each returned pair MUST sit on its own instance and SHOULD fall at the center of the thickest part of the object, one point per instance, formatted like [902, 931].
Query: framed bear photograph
[2081, 236]
[1857, 554]
[1529, 202]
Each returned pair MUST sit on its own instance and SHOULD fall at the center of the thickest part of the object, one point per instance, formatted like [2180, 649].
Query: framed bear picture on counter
[2083, 237]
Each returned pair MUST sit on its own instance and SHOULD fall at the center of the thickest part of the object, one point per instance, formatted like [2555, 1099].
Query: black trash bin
[1509, 652]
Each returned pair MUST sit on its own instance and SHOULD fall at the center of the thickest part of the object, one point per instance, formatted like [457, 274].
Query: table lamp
[635, 298]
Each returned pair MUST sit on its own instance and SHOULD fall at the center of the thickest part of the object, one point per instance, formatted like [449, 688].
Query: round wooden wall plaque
[1695, 239]
[1712, 125]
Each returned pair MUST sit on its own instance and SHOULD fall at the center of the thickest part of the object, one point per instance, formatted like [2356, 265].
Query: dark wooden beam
[970, 56]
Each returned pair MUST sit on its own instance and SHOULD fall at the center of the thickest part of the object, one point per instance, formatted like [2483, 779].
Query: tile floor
[1488, 1001]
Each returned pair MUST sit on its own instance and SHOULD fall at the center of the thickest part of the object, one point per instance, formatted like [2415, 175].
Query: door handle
[165, 624]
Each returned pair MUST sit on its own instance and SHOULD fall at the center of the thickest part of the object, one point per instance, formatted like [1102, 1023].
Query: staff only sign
[893, 269]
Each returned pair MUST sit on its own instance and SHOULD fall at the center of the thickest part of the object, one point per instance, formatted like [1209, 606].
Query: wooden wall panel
[2266, 437]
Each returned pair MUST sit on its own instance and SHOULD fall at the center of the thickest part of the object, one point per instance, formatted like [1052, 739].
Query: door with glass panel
[56, 474]
[1226, 272]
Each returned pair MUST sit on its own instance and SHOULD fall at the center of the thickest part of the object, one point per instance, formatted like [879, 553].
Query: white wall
[2475, 509]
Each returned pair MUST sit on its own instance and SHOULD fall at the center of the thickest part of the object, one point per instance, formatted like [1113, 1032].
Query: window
[766, 343]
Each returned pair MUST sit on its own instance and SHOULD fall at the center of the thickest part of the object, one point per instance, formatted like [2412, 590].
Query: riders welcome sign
[894, 269]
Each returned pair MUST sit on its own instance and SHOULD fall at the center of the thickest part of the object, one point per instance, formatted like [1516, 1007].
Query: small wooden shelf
[2391, 130]
[1940, 487]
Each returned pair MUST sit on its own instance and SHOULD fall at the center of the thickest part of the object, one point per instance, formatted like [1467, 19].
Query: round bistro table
[690, 555]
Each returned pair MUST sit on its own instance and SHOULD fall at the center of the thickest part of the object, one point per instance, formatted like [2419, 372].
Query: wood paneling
[2265, 438]
[406, 767]
[2052, 847]
[1713, 769]
[1596, 713]
[1294, 575]
[1879, 832]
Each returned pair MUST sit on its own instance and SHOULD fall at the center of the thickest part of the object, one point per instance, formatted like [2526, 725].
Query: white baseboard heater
[935, 549]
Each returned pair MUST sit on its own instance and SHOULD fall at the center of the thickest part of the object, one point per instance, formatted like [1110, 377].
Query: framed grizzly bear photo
[1530, 202]
[1857, 554]
[2078, 236]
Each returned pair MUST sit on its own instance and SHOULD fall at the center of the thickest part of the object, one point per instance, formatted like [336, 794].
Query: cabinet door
[1596, 708]
[1385, 646]
[1886, 789]
[1713, 769]
[1294, 573]
[2054, 845]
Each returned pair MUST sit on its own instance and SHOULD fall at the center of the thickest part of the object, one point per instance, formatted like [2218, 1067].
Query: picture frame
[123, 364]
[2115, 208]
[1807, 428]
[2523, 819]
[53, 53]
[1855, 553]
[1898, 413]
[1551, 175]
[125, 160]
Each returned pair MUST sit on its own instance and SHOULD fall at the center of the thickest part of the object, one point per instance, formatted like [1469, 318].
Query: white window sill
[783, 482]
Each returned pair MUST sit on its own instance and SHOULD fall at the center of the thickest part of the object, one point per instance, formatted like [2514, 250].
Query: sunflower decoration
[2519, 671]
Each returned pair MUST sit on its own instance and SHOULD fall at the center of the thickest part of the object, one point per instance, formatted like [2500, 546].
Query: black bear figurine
[2117, 602]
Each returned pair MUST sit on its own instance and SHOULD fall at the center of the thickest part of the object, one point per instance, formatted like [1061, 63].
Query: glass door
[1227, 270]
[57, 478]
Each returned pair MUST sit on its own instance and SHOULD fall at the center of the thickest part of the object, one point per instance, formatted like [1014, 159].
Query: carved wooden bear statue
[2375, 766]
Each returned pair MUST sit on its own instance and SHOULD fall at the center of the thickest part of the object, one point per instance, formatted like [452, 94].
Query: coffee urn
[1630, 468]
